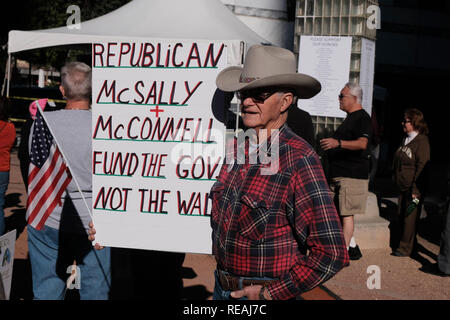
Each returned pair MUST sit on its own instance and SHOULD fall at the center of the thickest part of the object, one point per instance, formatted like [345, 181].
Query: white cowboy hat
[268, 66]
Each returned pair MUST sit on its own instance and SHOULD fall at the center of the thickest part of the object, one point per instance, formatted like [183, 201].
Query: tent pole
[237, 119]
[9, 75]
[238, 110]
[6, 77]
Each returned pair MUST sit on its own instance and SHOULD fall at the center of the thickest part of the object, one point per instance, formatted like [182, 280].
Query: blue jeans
[95, 268]
[4, 180]
[221, 294]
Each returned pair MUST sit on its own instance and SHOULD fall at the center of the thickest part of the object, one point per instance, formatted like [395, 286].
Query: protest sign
[157, 148]
[367, 73]
[7, 245]
[328, 60]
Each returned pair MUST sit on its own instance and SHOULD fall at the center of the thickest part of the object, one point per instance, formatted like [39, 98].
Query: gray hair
[294, 98]
[76, 80]
[355, 90]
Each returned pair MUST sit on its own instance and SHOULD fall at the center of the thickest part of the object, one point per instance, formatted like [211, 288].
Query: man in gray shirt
[61, 238]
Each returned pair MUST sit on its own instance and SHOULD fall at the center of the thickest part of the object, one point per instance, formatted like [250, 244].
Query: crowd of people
[275, 235]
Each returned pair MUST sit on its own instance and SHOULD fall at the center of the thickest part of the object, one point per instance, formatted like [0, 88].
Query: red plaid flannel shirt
[283, 226]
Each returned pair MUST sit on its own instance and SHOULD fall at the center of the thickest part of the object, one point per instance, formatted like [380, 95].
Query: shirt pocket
[254, 217]
[216, 196]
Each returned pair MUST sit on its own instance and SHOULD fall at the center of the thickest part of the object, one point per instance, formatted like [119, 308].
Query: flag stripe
[43, 178]
[48, 175]
[32, 175]
[53, 204]
[49, 195]
[46, 172]
[51, 185]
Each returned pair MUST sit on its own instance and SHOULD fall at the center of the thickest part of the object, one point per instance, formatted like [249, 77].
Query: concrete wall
[268, 18]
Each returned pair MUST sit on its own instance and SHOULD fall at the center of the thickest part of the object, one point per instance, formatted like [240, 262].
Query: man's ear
[287, 101]
[61, 88]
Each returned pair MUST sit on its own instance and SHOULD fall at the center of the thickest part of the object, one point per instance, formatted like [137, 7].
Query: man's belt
[229, 282]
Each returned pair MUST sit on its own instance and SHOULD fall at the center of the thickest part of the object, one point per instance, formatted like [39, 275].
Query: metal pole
[9, 75]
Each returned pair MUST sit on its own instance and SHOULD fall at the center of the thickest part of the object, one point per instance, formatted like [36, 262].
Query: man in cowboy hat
[265, 221]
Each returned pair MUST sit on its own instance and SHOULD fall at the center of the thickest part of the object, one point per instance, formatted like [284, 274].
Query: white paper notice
[157, 148]
[328, 60]
[7, 245]
[367, 72]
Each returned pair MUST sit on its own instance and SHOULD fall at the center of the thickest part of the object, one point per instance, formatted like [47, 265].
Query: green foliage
[45, 14]
[51, 14]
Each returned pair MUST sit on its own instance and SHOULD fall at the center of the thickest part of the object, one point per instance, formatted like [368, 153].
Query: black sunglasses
[260, 95]
[341, 96]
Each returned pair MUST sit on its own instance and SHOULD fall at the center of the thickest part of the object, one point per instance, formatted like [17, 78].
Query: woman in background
[409, 162]
[7, 138]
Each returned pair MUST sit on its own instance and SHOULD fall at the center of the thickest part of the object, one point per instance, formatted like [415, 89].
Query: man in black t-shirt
[348, 156]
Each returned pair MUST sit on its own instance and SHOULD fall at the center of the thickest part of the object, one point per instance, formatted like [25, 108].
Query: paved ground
[399, 278]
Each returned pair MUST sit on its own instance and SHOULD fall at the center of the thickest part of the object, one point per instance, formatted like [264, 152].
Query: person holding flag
[59, 196]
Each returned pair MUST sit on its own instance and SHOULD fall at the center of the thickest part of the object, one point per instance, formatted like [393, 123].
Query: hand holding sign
[91, 237]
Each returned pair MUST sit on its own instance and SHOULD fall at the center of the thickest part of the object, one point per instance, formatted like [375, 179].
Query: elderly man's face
[346, 100]
[263, 109]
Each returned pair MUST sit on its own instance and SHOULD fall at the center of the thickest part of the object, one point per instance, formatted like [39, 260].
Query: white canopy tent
[156, 19]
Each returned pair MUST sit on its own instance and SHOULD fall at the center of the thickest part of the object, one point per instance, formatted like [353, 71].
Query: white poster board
[7, 246]
[328, 60]
[157, 148]
[367, 72]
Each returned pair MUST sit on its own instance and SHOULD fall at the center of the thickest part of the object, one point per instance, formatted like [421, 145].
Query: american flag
[48, 175]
